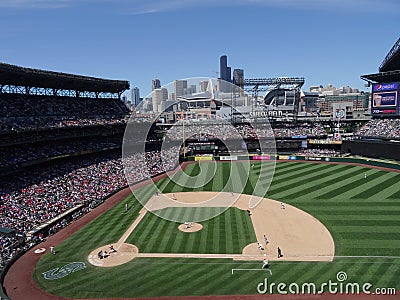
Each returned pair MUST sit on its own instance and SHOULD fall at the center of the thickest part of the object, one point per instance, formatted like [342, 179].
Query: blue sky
[325, 41]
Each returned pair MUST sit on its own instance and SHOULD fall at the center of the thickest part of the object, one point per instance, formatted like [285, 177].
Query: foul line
[127, 233]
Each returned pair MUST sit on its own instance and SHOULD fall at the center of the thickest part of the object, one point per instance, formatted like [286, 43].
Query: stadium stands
[60, 141]
[380, 128]
[61, 153]
[32, 112]
[201, 131]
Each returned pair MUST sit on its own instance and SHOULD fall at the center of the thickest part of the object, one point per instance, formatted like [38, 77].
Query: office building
[180, 87]
[135, 96]
[159, 96]
[155, 84]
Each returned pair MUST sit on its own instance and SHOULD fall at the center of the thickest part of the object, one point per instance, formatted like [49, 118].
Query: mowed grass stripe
[160, 230]
[218, 180]
[312, 182]
[354, 219]
[242, 282]
[194, 172]
[211, 283]
[390, 276]
[324, 185]
[265, 170]
[287, 169]
[207, 172]
[395, 194]
[178, 278]
[379, 185]
[223, 245]
[144, 232]
[354, 183]
[228, 225]
[360, 213]
[349, 204]
[373, 245]
[366, 236]
[293, 177]
[312, 272]
[202, 278]
[356, 230]
[240, 177]
[258, 185]
[181, 182]
[147, 276]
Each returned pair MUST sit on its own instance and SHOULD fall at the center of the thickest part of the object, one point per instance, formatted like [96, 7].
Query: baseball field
[357, 207]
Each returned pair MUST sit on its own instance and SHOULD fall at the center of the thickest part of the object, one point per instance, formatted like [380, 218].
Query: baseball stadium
[239, 191]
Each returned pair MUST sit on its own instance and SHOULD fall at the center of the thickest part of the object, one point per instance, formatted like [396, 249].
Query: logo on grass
[58, 273]
[197, 119]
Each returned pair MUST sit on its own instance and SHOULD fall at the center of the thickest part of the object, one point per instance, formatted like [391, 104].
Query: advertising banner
[384, 99]
[385, 87]
[228, 158]
[261, 157]
[197, 158]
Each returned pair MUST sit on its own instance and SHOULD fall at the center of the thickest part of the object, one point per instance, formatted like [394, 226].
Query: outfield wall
[373, 148]
[277, 157]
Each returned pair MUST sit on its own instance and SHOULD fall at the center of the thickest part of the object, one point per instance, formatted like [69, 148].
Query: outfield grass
[361, 214]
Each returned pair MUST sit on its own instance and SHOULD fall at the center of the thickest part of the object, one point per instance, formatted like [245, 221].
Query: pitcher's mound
[193, 227]
[125, 252]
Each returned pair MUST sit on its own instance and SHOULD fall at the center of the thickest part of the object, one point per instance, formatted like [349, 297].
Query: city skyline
[326, 42]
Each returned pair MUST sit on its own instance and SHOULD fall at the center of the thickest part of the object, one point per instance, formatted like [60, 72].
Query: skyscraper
[180, 87]
[155, 84]
[158, 98]
[238, 77]
[228, 74]
[225, 74]
[135, 96]
[223, 67]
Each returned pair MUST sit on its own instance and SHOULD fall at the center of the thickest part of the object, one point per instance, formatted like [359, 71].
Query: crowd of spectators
[309, 130]
[30, 199]
[39, 123]
[29, 112]
[380, 128]
[319, 152]
[204, 131]
[9, 246]
[14, 156]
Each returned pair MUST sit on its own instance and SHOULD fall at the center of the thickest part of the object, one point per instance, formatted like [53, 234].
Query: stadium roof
[391, 76]
[392, 59]
[20, 76]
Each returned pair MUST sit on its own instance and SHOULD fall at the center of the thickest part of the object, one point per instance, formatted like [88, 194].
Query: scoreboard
[385, 102]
